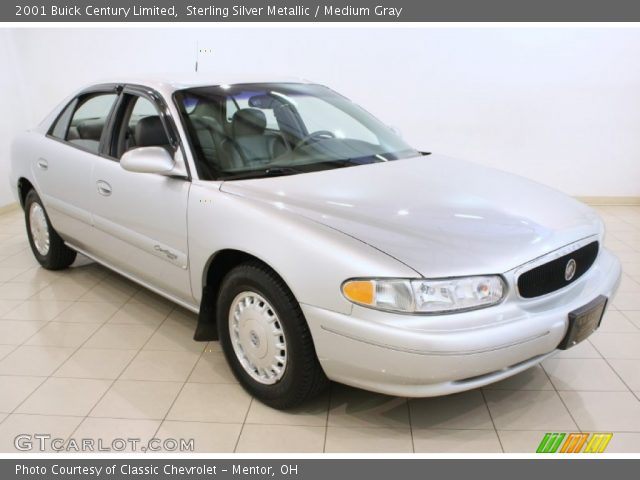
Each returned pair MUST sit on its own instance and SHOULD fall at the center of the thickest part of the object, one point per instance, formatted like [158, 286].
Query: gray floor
[87, 354]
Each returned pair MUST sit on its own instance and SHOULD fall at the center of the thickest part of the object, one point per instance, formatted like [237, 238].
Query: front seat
[250, 142]
[150, 132]
[209, 138]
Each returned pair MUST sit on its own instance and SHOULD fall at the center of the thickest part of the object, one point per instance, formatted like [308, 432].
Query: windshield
[254, 130]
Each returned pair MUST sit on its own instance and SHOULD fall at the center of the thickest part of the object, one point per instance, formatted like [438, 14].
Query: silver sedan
[311, 240]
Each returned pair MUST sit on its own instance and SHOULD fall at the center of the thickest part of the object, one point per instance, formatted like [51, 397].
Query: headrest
[248, 121]
[149, 132]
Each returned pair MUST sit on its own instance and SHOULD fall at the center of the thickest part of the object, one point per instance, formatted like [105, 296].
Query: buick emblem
[570, 270]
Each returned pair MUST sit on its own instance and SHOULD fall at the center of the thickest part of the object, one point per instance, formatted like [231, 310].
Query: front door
[141, 218]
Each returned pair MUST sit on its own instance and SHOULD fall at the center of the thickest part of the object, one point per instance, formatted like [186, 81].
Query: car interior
[243, 131]
[141, 125]
[88, 120]
[234, 135]
[238, 140]
[86, 133]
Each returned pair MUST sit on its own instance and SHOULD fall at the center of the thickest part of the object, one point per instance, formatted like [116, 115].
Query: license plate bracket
[583, 322]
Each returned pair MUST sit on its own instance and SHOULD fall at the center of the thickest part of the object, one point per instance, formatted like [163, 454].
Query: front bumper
[430, 355]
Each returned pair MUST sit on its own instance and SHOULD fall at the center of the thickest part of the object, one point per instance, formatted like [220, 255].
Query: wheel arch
[216, 268]
[24, 186]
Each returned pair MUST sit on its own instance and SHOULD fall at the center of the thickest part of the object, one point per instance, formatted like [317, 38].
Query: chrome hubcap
[257, 338]
[39, 228]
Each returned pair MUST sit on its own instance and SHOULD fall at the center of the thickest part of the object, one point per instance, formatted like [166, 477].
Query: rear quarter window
[61, 125]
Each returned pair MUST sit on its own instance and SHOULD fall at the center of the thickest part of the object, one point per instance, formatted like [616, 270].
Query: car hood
[438, 215]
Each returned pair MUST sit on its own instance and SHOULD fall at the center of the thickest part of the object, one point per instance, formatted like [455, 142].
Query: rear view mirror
[148, 160]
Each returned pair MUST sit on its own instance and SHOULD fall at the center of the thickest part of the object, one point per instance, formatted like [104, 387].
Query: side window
[60, 127]
[89, 119]
[141, 109]
[141, 127]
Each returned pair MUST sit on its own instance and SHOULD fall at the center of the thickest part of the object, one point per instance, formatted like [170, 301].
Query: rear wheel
[266, 339]
[47, 246]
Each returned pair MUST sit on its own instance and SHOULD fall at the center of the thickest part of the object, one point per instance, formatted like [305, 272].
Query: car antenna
[197, 55]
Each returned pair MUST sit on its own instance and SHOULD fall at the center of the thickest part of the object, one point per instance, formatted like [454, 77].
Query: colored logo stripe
[598, 442]
[574, 442]
[550, 443]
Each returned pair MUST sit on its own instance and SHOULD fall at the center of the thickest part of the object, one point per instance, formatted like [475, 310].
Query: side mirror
[148, 160]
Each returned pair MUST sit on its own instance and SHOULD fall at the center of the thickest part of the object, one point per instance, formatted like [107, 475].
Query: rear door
[141, 218]
[63, 170]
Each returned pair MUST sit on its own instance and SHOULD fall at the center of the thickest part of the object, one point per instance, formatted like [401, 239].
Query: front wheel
[266, 339]
[46, 245]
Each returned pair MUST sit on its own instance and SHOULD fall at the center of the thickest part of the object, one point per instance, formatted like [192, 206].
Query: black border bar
[320, 11]
[565, 466]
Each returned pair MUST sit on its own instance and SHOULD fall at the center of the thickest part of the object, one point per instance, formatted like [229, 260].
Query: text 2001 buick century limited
[312, 240]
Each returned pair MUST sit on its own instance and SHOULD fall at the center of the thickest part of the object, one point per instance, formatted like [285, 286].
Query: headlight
[426, 296]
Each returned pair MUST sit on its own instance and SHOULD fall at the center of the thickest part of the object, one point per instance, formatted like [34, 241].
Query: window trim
[107, 133]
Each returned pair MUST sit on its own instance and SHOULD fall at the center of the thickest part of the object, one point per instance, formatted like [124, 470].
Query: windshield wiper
[264, 173]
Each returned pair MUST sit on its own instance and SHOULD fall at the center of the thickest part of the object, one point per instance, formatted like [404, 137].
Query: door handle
[42, 164]
[104, 188]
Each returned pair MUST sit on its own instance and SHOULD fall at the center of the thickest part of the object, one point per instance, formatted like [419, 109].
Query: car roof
[168, 83]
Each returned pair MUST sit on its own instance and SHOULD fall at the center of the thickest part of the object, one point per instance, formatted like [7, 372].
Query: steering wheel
[314, 137]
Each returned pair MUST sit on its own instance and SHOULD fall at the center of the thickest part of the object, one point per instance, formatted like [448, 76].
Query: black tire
[59, 256]
[303, 376]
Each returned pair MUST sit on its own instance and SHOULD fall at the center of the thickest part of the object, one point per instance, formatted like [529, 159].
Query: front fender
[311, 258]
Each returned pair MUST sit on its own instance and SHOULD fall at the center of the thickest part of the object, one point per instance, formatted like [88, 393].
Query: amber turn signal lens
[359, 291]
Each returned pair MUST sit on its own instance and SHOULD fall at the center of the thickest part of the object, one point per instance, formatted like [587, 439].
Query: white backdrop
[560, 105]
